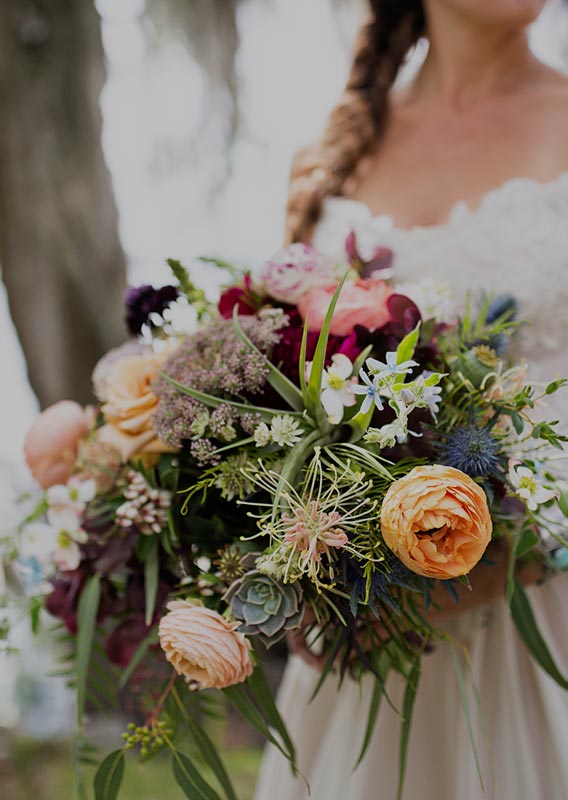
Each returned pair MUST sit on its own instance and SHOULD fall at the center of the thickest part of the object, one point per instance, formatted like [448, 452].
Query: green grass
[40, 771]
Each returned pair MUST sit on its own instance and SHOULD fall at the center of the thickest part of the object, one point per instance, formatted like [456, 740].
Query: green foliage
[108, 778]
[195, 296]
[86, 620]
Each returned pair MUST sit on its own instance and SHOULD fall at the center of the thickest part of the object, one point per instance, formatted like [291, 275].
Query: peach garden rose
[125, 388]
[204, 647]
[361, 302]
[436, 521]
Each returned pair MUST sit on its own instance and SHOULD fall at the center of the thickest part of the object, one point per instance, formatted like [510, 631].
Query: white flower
[527, 487]
[337, 388]
[421, 394]
[389, 435]
[262, 435]
[55, 542]
[73, 497]
[370, 390]
[433, 300]
[390, 367]
[285, 431]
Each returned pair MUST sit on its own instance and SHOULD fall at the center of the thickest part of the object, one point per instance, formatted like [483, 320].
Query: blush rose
[361, 302]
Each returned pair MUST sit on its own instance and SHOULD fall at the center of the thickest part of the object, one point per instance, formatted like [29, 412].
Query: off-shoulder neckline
[460, 211]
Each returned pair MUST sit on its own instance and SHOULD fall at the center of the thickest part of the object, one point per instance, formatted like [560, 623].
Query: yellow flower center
[335, 381]
[528, 482]
[64, 539]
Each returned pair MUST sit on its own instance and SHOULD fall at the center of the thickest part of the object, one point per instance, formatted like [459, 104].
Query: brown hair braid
[358, 120]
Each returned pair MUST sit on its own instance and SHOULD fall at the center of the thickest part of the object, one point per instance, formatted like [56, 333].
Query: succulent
[266, 607]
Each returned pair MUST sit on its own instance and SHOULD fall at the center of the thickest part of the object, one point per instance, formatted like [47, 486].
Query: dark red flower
[381, 258]
[243, 297]
[143, 301]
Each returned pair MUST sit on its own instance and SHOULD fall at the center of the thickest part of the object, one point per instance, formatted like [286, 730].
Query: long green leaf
[375, 704]
[525, 542]
[238, 697]
[266, 414]
[189, 779]
[263, 696]
[108, 778]
[139, 654]
[287, 390]
[302, 364]
[527, 627]
[151, 578]
[211, 757]
[314, 406]
[86, 620]
[407, 708]
[465, 704]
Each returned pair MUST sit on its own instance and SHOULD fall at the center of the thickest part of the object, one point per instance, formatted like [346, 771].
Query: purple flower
[143, 301]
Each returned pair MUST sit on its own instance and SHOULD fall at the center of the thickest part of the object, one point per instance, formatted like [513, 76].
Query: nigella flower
[143, 301]
[369, 388]
[473, 450]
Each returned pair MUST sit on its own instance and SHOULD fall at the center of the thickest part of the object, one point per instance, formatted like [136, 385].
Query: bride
[464, 176]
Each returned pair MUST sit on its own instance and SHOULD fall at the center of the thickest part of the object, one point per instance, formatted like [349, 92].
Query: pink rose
[361, 302]
[51, 443]
[204, 647]
[294, 271]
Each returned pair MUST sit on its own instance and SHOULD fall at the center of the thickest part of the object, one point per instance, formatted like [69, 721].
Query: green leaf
[313, 405]
[554, 386]
[266, 414]
[563, 503]
[109, 775]
[238, 697]
[518, 423]
[263, 696]
[527, 627]
[287, 390]
[151, 579]
[86, 620]
[465, 704]
[524, 543]
[377, 696]
[211, 757]
[406, 348]
[302, 363]
[189, 779]
[136, 659]
[407, 708]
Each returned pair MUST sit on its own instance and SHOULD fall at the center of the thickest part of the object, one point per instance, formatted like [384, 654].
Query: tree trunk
[61, 259]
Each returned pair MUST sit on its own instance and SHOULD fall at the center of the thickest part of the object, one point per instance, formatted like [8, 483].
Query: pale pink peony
[203, 647]
[51, 443]
[292, 272]
[361, 302]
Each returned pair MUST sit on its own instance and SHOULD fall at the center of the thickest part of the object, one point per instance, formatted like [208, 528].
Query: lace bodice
[516, 241]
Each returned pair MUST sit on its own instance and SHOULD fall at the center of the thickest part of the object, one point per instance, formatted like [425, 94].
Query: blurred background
[132, 131]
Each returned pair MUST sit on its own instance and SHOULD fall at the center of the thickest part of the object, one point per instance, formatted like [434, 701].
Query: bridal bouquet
[323, 452]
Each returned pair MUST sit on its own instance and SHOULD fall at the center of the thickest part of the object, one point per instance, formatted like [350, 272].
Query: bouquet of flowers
[323, 452]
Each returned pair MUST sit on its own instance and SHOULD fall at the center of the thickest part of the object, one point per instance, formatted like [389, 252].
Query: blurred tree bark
[60, 255]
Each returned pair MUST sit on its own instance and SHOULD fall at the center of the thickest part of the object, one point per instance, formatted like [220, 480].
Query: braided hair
[358, 120]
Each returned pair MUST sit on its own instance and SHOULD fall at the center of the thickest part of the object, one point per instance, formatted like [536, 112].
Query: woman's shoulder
[548, 107]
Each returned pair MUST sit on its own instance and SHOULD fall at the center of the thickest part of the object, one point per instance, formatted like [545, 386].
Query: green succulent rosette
[266, 607]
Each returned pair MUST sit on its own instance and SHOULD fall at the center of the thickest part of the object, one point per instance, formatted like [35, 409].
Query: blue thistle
[473, 450]
[503, 306]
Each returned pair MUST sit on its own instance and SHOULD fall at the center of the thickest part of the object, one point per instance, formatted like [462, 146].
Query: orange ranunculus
[361, 302]
[436, 520]
[129, 402]
[203, 646]
[51, 443]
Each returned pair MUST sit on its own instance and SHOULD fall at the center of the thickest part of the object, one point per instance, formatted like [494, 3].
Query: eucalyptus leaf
[151, 579]
[108, 778]
[211, 757]
[86, 621]
[189, 779]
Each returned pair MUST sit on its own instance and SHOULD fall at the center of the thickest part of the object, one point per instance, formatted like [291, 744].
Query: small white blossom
[369, 388]
[527, 486]
[55, 542]
[73, 496]
[285, 431]
[390, 367]
[262, 435]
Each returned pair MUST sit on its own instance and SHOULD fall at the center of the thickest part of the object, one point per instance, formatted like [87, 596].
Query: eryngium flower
[266, 607]
[473, 450]
[503, 306]
[143, 301]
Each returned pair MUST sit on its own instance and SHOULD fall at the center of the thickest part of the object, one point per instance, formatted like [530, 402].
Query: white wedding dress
[516, 242]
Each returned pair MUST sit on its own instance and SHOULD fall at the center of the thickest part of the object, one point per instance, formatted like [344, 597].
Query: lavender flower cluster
[214, 361]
